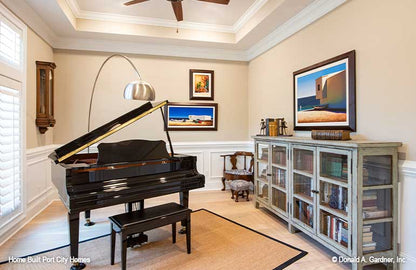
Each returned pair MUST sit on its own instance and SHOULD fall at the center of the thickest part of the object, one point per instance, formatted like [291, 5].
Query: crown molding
[111, 17]
[305, 17]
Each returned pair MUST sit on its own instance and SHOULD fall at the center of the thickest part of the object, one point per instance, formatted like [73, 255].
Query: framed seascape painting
[191, 116]
[201, 84]
[324, 94]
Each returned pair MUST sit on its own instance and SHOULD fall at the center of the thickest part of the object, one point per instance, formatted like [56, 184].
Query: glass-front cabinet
[279, 178]
[342, 194]
[377, 203]
[334, 197]
[262, 185]
[303, 186]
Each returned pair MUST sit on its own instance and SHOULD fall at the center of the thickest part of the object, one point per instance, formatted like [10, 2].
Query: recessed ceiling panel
[193, 10]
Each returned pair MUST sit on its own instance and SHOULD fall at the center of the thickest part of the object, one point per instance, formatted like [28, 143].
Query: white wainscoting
[209, 160]
[407, 213]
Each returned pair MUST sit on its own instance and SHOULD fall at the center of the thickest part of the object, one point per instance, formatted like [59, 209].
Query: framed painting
[324, 94]
[201, 84]
[191, 116]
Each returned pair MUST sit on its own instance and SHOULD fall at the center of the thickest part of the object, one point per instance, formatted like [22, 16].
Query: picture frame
[201, 84]
[324, 94]
[186, 116]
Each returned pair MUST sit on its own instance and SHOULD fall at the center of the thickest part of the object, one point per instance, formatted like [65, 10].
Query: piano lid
[86, 140]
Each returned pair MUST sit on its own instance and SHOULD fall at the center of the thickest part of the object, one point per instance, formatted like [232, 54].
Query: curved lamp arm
[96, 79]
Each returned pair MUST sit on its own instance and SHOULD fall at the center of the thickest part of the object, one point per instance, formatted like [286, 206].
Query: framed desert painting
[324, 94]
[191, 116]
[201, 84]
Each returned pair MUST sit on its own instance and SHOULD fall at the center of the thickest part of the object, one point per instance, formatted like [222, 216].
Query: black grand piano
[126, 172]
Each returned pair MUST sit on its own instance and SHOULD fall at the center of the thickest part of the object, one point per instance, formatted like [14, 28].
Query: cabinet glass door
[334, 178]
[377, 203]
[279, 178]
[262, 173]
[303, 185]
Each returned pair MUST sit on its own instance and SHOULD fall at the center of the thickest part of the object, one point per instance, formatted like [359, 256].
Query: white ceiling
[193, 10]
[239, 31]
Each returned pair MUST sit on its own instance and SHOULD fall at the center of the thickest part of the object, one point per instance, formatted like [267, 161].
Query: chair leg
[123, 242]
[248, 192]
[188, 234]
[223, 183]
[232, 194]
[113, 243]
[174, 232]
[236, 196]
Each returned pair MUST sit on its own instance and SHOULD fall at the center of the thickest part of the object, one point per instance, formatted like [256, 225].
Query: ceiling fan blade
[134, 2]
[177, 8]
[223, 2]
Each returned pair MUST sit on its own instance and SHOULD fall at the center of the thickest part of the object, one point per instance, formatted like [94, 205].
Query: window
[12, 78]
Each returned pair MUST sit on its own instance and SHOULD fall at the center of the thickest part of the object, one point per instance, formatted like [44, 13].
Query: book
[331, 135]
[375, 214]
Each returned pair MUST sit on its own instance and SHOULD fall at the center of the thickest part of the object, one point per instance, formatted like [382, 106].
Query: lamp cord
[96, 79]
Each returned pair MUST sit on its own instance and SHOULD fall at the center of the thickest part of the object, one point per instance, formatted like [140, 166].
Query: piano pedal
[89, 223]
[137, 240]
[77, 266]
[182, 230]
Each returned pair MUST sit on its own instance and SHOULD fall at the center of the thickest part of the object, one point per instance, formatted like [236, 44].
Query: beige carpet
[217, 243]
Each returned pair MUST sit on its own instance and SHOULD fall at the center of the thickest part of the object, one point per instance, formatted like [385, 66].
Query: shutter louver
[10, 171]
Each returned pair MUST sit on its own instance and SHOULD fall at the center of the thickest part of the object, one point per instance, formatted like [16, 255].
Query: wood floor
[49, 229]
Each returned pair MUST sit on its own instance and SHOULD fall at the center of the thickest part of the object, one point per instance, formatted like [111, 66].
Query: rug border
[279, 267]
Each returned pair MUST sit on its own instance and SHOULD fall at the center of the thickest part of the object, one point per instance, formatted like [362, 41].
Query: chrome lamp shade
[139, 90]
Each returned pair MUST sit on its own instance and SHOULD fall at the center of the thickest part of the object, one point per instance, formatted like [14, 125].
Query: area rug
[217, 243]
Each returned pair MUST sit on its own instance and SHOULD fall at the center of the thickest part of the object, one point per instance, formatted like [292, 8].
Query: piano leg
[88, 221]
[183, 200]
[73, 219]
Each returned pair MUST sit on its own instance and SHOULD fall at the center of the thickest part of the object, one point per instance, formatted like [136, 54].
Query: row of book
[279, 199]
[302, 185]
[303, 161]
[305, 212]
[335, 196]
[279, 156]
[335, 167]
[337, 229]
[370, 205]
[279, 177]
[368, 243]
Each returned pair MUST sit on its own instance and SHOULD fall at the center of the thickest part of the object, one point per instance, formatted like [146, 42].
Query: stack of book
[368, 243]
[337, 229]
[272, 127]
[370, 209]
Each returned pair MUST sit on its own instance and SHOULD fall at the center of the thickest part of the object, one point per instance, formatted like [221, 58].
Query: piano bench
[149, 218]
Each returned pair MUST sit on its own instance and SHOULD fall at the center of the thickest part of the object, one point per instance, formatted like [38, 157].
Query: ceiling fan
[177, 5]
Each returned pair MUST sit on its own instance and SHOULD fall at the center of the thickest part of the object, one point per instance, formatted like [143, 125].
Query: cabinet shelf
[336, 212]
[279, 166]
[282, 189]
[303, 197]
[304, 173]
[335, 182]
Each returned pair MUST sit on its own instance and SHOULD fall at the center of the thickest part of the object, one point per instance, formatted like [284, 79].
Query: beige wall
[384, 37]
[37, 50]
[75, 76]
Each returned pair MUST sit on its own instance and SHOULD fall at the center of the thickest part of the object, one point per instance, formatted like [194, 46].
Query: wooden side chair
[238, 173]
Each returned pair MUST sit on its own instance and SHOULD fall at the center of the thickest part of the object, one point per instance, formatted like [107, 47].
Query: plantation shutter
[11, 128]
[10, 187]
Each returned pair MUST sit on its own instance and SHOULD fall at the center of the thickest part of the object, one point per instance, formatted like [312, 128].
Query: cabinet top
[310, 141]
